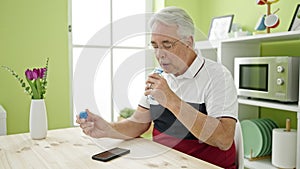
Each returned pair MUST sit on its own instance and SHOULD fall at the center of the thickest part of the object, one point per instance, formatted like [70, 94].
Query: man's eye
[154, 46]
[167, 45]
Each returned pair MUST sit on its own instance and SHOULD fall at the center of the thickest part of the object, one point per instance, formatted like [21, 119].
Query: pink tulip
[36, 79]
[35, 73]
[28, 74]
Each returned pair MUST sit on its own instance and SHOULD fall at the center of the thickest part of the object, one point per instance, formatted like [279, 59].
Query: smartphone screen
[110, 154]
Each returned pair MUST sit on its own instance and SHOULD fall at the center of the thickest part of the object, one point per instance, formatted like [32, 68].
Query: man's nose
[160, 53]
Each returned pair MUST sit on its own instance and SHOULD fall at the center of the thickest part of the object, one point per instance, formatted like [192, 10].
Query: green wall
[31, 31]
[246, 13]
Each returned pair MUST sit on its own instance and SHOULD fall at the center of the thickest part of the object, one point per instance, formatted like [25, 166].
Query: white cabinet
[2, 121]
[225, 51]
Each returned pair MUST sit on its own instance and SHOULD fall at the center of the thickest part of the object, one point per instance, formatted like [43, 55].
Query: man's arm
[134, 126]
[95, 126]
[216, 132]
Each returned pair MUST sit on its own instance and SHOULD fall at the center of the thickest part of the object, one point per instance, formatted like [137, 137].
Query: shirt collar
[193, 69]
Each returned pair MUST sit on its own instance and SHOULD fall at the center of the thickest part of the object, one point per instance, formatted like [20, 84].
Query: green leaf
[126, 112]
[38, 87]
[35, 94]
[20, 80]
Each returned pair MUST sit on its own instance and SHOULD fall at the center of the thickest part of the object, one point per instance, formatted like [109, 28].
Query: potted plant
[125, 113]
[36, 88]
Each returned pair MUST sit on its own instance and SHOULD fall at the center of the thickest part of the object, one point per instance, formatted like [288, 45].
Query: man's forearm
[128, 129]
[207, 129]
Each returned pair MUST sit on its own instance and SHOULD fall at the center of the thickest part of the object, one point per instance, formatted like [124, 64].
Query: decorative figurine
[270, 20]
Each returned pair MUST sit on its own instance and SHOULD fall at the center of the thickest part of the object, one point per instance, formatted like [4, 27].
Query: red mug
[272, 21]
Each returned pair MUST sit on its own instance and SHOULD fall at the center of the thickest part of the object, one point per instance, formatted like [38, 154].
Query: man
[197, 108]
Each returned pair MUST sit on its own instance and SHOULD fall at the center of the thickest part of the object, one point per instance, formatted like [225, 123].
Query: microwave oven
[272, 78]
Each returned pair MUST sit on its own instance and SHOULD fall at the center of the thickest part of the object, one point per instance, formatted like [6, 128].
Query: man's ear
[190, 41]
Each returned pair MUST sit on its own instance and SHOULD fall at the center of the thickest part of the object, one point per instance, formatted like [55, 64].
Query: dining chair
[238, 140]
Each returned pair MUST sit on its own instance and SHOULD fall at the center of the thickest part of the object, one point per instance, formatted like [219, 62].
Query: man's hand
[94, 125]
[157, 87]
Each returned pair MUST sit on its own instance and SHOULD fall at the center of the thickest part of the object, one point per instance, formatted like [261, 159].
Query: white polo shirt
[205, 82]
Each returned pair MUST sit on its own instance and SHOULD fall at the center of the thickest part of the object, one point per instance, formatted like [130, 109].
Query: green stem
[38, 87]
[34, 91]
[20, 80]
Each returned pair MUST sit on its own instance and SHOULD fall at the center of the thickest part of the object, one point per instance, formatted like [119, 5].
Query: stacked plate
[257, 137]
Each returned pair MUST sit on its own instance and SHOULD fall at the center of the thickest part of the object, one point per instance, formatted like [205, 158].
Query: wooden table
[70, 149]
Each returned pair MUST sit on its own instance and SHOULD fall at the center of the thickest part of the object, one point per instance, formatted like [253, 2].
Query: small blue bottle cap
[158, 70]
[83, 115]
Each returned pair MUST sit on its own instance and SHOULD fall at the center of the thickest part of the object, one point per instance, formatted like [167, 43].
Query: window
[108, 54]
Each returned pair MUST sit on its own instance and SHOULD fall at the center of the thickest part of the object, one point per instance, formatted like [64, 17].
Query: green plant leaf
[36, 88]
[126, 112]
[35, 94]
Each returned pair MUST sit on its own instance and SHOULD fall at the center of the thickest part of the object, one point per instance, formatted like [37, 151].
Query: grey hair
[174, 16]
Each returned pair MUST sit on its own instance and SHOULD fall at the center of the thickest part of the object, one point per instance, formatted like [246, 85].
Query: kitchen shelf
[271, 37]
[270, 104]
[224, 52]
[261, 164]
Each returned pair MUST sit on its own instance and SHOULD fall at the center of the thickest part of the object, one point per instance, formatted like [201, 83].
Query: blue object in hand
[83, 115]
[158, 71]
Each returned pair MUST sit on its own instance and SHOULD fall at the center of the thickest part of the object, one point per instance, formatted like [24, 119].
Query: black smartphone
[110, 154]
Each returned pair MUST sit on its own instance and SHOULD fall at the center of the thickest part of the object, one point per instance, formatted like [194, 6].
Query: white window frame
[149, 61]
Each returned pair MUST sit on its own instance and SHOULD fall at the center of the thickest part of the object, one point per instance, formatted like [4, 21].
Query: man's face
[170, 50]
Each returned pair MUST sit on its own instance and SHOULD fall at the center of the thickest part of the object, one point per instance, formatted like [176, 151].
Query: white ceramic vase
[38, 124]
